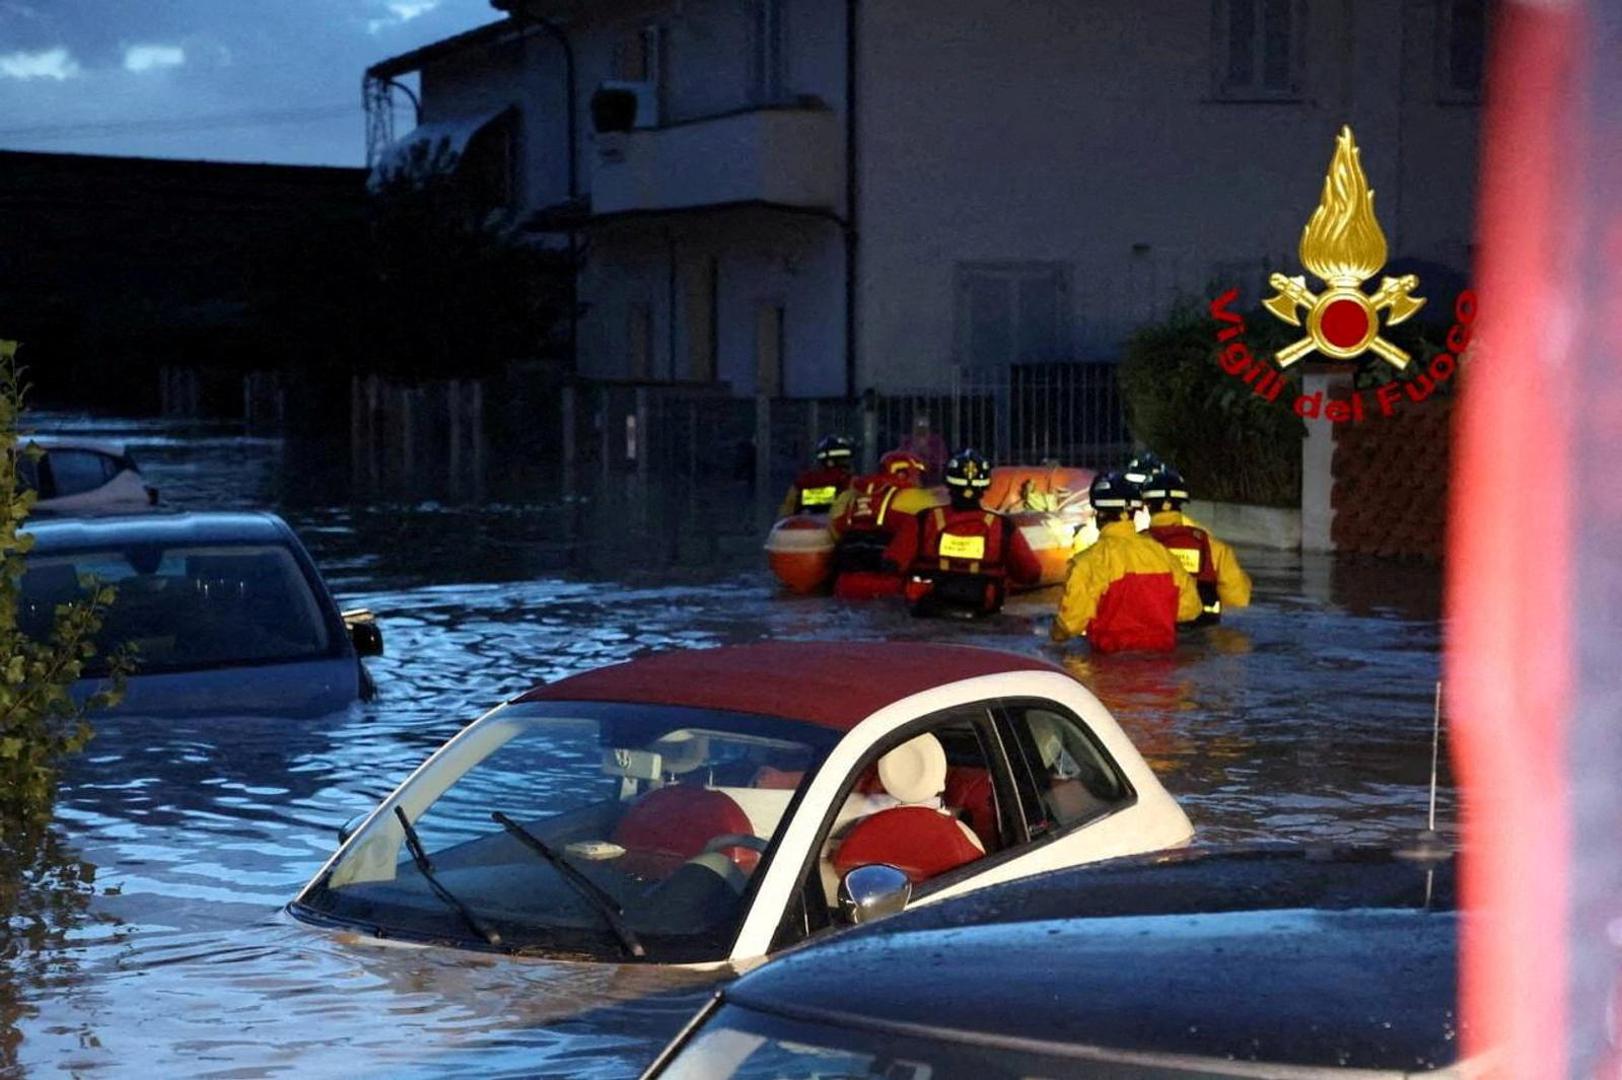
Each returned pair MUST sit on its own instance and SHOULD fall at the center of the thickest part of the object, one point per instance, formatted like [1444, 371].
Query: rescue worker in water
[1125, 592]
[864, 519]
[962, 557]
[1215, 568]
[815, 489]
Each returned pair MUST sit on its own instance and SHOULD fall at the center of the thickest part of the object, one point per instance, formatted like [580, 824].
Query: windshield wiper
[426, 869]
[599, 897]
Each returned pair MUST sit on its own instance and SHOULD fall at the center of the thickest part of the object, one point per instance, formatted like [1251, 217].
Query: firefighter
[1126, 592]
[1143, 465]
[962, 557]
[1213, 565]
[864, 519]
[815, 489]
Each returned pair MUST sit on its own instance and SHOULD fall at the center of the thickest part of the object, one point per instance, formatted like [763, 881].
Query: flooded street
[1304, 718]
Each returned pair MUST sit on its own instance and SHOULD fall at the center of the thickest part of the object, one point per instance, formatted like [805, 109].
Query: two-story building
[821, 196]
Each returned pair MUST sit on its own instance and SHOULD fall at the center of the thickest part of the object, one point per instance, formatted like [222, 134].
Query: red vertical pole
[1509, 573]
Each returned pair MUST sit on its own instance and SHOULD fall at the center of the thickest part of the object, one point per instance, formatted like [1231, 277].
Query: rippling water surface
[1307, 717]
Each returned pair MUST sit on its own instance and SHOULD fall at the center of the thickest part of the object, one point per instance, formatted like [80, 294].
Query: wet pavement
[1305, 718]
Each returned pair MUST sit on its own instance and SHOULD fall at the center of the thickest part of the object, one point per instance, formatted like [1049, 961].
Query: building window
[769, 53]
[1012, 313]
[1462, 49]
[769, 348]
[488, 168]
[639, 340]
[1258, 49]
[702, 291]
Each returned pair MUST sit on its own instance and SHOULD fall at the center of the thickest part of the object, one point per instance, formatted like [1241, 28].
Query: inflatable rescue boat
[1048, 502]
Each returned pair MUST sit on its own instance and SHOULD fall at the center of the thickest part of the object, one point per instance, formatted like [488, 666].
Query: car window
[745, 1044]
[74, 472]
[186, 607]
[670, 812]
[901, 823]
[1071, 778]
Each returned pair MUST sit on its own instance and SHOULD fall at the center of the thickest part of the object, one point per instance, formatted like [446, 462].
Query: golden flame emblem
[1342, 244]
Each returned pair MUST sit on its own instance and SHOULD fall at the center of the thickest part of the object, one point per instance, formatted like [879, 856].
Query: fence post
[763, 447]
[604, 430]
[453, 436]
[476, 429]
[566, 406]
[1317, 458]
[870, 434]
[643, 439]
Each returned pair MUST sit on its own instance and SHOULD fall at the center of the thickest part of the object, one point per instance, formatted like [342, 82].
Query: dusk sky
[231, 80]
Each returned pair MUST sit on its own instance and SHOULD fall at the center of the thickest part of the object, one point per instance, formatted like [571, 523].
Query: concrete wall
[761, 257]
[1087, 134]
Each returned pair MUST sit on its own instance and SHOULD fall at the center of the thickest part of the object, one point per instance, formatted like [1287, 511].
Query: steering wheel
[732, 840]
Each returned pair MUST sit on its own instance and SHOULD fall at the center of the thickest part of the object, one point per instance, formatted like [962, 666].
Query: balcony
[782, 156]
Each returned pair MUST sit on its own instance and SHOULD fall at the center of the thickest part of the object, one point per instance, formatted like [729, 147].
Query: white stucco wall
[1072, 132]
[762, 257]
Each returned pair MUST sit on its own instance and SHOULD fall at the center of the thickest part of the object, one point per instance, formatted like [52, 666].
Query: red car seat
[919, 840]
[969, 789]
[669, 825]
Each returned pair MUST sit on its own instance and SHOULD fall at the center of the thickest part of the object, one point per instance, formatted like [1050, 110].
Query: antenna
[1436, 745]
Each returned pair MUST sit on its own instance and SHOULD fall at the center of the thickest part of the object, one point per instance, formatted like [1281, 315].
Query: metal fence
[1069, 413]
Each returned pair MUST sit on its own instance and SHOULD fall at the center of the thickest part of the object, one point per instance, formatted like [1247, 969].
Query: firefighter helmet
[1142, 466]
[1112, 491]
[902, 465]
[834, 450]
[1166, 485]
[968, 470]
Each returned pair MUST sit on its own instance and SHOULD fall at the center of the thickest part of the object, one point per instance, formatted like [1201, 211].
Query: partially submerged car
[702, 807]
[224, 613]
[83, 476]
[1285, 963]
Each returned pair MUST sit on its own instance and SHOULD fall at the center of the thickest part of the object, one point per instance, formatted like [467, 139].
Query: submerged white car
[705, 807]
[84, 476]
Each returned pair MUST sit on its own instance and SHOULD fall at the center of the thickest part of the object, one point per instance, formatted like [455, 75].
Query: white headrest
[915, 771]
[683, 751]
[1045, 733]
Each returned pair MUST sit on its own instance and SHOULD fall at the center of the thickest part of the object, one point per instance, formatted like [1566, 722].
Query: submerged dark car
[224, 613]
[1271, 962]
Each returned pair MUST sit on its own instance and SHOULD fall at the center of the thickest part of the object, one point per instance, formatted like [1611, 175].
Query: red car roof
[835, 684]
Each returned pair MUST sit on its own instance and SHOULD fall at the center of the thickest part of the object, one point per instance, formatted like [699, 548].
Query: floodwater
[1305, 718]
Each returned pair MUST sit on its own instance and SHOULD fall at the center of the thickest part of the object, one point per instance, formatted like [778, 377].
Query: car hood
[1267, 957]
[302, 688]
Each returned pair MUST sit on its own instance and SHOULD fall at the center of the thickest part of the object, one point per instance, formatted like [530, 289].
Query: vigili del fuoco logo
[1343, 246]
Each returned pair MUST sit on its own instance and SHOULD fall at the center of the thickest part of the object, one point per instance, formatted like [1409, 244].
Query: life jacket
[1138, 612]
[1191, 546]
[864, 528]
[818, 488]
[960, 560]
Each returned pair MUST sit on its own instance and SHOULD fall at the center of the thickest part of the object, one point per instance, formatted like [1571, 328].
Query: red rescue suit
[1191, 546]
[815, 490]
[963, 559]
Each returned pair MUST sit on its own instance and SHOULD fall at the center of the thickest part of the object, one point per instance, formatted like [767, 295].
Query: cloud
[153, 57]
[400, 11]
[47, 64]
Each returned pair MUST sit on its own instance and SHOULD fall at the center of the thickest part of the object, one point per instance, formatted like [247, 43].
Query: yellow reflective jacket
[905, 501]
[1125, 592]
[1233, 584]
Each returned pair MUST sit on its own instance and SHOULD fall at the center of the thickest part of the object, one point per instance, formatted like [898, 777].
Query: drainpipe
[520, 13]
[851, 198]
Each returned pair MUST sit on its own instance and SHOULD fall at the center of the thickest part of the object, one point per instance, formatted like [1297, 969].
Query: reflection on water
[1306, 717]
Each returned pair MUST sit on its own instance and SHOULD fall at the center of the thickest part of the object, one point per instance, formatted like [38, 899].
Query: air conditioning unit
[647, 100]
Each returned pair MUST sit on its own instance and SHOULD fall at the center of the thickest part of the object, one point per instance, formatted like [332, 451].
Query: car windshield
[663, 815]
[185, 607]
[745, 1044]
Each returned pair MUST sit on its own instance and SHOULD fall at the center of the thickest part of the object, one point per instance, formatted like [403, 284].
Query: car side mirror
[872, 892]
[347, 829]
[364, 632]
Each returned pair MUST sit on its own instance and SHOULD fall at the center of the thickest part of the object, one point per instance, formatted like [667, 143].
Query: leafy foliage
[40, 722]
[1229, 444]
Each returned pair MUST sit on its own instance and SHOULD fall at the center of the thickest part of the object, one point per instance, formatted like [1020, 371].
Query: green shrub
[1229, 444]
[40, 723]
